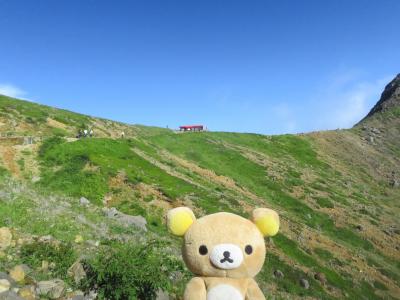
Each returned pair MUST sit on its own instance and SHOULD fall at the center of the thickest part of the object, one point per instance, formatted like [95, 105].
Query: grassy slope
[24, 118]
[324, 185]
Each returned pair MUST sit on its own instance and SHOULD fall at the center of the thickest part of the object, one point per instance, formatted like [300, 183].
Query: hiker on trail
[91, 132]
[85, 133]
[122, 134]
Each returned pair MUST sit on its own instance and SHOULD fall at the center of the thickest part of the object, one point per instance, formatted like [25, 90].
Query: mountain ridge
[390, 98]
[336, 191]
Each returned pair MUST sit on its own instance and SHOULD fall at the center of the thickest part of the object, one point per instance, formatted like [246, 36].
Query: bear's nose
[226, 256]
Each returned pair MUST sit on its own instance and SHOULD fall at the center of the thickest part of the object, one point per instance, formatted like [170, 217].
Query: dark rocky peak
[390, 97]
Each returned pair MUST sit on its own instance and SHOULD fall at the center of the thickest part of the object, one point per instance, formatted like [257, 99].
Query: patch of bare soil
[91, 168]
[106, 128]
[147, 195]
[28, 153]
[8, 158]
[54, 123]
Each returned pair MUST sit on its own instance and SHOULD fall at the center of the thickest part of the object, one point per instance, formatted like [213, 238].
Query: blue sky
[249, 66]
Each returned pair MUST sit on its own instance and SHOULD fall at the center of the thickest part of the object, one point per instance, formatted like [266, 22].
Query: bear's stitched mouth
[229, 260]
[226, 258]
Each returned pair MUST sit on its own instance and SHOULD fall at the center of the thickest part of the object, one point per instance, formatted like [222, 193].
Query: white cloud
[346, 101]
[11, 91]
[355, 104]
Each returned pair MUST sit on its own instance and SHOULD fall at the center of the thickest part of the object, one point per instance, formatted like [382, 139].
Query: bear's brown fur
[225, 251]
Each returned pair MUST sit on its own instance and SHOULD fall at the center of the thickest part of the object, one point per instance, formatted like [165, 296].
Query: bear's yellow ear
[179, 220]
[267, 221]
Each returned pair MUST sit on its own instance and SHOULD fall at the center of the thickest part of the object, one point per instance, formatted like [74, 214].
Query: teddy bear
[225, 251]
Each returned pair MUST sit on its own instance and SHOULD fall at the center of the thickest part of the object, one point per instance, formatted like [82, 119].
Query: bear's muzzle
[226, 256]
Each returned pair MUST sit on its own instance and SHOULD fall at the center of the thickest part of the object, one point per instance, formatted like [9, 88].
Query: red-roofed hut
[191, 128]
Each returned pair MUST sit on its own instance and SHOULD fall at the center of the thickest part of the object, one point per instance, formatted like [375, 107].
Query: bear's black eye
[248, 249]
[203, 250]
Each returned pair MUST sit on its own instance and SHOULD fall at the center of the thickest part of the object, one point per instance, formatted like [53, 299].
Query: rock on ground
[278, 274]
[28, 292]
[10, 295]
[320, 277]
[51, 288]
[304, 283]
[395, 183]
[19, 272]
[4, 285]
[5, 238]
[4, 275]
[83, 201]
[77, 272]
[162, 295]
[125, 220]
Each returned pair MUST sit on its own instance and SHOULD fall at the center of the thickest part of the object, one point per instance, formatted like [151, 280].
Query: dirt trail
[221, 180]
[166, 168]
[204, 174]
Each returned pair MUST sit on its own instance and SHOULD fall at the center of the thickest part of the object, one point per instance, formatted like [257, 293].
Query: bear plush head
[223, 244]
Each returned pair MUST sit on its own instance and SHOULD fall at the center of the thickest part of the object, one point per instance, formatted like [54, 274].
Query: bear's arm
[195, 290]
[253, 291]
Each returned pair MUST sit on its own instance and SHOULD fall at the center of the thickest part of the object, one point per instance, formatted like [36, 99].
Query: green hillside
[336, 191]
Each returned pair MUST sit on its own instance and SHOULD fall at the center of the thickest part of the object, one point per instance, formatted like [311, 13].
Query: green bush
[59, 132]
[324, 254]
[49, 144]
[380, 286]
[61, 254]
[3, 172]
[324, 202]
[131, 271]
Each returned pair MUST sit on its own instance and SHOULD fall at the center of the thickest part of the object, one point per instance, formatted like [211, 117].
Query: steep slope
[337, 191]
[390, 98]
[24, 118]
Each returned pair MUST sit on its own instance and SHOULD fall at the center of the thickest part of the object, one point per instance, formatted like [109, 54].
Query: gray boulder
[395, 183]
[52, 289]
[162, 295]
[10, 295]
[278, 274]
[77, 272]
[4, 275]
[124, 219]
[304, 283]
[84, 202]
[320, 277]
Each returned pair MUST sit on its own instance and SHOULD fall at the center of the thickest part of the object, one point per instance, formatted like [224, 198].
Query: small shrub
[62, 255]
[3, 172]
[324, 202]
[128, 271]
[21, 163]
[380, 286]
[148, 198]
[59, 132]
[48, 144]
[324, 254]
